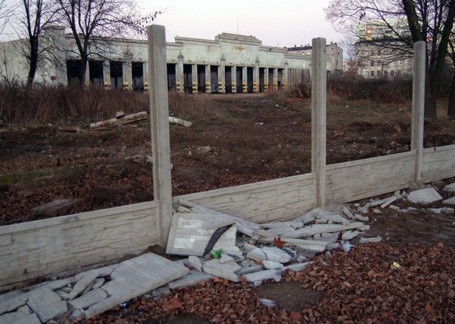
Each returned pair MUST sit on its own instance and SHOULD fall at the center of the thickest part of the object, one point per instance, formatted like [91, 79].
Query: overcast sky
[282, 23]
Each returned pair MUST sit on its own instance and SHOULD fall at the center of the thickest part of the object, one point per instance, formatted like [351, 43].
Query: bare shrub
[191, 106]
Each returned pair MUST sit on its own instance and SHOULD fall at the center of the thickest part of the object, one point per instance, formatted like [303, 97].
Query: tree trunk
[33, 61]
[451, 108]
[430, 100]
[82, 72]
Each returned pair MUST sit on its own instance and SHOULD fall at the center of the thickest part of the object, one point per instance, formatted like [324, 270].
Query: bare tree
[93, 22]
[36, 16]
[401, 23]
[451, 108]
[5, 11]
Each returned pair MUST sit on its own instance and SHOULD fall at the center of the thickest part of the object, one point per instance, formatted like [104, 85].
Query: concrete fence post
[319, 117]
[418, 106]
[159, 117]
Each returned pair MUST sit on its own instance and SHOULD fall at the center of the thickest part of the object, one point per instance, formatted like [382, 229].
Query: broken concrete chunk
[270, 253]
[57, 284]
[450, 201]
[19, 317]
[349, 235]
[296, 267]
[450, 187]
[226, 258]
[361, 218]
[322, 228]
[389, 201]
[89, 299]
[226, 271]
[376, 239]
[250, 269]
[46, 304]
[272, 264]
[162, 291]
[258, 277]
[347, 212]
[99, 272]
[333, 246]
[377, 211]
[14, 303]
[394, 207]
[267, 302]
[424, 196]
[195, 262]
[82, 284]
[192, 278]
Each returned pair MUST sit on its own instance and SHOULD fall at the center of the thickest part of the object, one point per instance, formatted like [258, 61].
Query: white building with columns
[231, 63]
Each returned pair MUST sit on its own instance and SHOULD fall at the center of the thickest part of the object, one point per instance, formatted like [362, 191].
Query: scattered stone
[258, 277]
[361, 218]
[347, 212]
[46, 304]
[89, 299]
[424, 196]
[192, 278]
[376, 239]
[162, 291]
[450, 201]
[377, 211]
[267, 302]
[389, 201]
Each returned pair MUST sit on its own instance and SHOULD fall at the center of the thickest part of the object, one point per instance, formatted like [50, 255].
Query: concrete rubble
[216, 245]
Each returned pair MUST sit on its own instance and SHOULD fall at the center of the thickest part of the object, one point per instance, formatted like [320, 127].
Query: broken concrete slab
[349, 235]
[135, 277]
[226, 271]
[19, 318]
[296, 267]
[258, 277]
[89, 299]
[46, 304]
[272, 265]
[143, 273]
[194, 277]
[250, 269]
[424, 196]
[99, 272]
[361, 218]
[450, 187]
[14, 303]
[188, 236]
[322, 228]
[82, 284]
[270, 253]
[226, 258]
[450, 201]
[365, 240]
[57, 284]
[195, 262]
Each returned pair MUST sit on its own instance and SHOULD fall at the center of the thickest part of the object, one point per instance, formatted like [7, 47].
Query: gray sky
[285, 23]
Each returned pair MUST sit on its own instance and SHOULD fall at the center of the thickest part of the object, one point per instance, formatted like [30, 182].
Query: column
[179, 75]
[222, 78]
[145, 71]
[266, 79]
[159, 117]
[194, 78]
[285, 80]
[275, 79]
[418, 106]
[244, 79]
[256, 79]
[208, 88]
[127, 75]
[106, 75]
[87, 75]
[234, 79]
[319, 118]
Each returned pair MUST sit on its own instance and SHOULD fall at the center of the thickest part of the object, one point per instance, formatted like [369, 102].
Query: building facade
[231, 63]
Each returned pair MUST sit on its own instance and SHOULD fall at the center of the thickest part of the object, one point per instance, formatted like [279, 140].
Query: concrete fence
[51, 246]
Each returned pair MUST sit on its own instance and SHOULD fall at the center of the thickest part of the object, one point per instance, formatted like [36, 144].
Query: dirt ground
[240, 139]
[247, 139]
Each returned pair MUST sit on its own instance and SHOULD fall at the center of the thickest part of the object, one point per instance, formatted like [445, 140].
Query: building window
[385, 73]
[372, 63]
[372, 73]
[379, 52]
[392, 73]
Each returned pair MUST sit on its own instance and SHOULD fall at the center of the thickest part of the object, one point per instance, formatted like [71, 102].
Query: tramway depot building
[231, 63]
